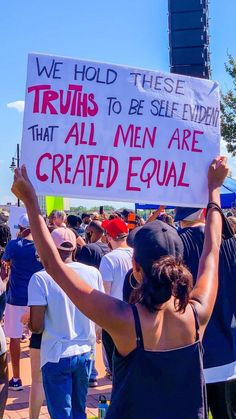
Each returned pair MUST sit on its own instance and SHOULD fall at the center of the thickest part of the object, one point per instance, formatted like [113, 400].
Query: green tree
[228, 109]
[108, 208]
[105, 207]
[79, 209]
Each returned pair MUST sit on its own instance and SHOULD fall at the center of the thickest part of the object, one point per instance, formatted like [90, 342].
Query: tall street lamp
[15, 163]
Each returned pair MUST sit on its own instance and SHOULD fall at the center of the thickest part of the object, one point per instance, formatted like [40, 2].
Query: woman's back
[167, 328]
[165, 384]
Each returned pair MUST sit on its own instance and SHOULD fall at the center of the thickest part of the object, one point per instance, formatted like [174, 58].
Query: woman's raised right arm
[204, 293]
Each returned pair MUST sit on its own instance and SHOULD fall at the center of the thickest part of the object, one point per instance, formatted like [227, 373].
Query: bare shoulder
[200, 313]
[124, 334]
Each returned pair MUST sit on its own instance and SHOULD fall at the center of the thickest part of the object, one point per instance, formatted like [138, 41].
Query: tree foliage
[109, 208]
[228, 109]
[80, 209]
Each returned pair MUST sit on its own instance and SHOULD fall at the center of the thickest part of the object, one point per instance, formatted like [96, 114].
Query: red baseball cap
[116, 228]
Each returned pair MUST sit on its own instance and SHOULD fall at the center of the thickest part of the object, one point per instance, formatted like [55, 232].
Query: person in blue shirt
[21, 255]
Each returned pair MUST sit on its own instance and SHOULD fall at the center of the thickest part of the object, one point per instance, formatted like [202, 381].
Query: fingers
[24, 173]
[20, 172]
[22, 186]
[219, 161]
[17, 174]
[217, 172]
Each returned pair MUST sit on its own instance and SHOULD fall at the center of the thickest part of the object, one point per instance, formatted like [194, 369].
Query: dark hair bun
[167, 277]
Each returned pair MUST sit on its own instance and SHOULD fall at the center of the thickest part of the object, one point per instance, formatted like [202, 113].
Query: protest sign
[54, 202]
[101, 131]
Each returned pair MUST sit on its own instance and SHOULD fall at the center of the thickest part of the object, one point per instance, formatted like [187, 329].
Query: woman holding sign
[158, 359]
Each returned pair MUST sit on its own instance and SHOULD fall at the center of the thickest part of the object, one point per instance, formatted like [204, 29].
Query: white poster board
[14, 216]
[101, 131]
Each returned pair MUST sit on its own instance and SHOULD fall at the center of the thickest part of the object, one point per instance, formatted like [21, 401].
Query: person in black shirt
[92, 253]
[220, 337]
[232, 221]
[72, 222]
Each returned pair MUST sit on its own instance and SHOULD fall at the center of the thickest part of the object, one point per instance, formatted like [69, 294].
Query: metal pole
[18, 165]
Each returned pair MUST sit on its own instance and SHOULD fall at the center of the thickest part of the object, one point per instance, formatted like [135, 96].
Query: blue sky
[129, 32]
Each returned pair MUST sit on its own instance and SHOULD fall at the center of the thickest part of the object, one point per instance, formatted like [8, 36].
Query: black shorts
[35, 340]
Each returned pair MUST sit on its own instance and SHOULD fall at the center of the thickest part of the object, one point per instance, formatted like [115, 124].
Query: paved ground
[17, 405]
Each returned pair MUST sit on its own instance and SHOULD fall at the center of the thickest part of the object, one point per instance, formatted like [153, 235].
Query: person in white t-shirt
[67, 334]
[115, 264]
[114, 267]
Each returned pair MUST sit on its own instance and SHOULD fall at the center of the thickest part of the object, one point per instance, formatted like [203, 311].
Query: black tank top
[158, 384]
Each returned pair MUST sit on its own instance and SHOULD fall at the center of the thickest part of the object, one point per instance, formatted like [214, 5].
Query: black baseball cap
[154, 240]
[131, 236]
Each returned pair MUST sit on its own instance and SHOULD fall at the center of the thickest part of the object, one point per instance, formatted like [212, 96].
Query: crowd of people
[149, 291]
